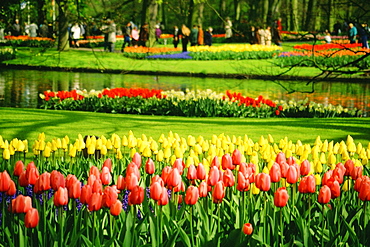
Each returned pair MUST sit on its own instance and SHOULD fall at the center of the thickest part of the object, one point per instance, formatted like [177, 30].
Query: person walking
[176, 36]
[76, 34]
[194, 36]
[185, 33]
[111, 35]
[144, 35]
[200, 35]
[208, 37]
[352, 33]
[126, 36]
[33, 29]
[363, 33]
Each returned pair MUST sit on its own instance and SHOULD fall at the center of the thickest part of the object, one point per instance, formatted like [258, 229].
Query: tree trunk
[199, 14]
[143, 12]
[294, 15]
[63, 36]
[153, 11]
[311, 15]
[265, 10]
[191, 13]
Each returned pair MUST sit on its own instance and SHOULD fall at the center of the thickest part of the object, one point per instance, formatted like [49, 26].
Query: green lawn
[28, 123]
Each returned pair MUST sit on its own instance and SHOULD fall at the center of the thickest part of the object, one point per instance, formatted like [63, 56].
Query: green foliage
[6, 54]
[232, 55]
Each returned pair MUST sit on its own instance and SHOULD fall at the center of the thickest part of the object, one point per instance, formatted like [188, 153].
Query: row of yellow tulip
[235, 47]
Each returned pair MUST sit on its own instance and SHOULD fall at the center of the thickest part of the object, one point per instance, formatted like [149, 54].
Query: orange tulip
[201, 172]
[164, 197]
[136, 196]
[131, 181]
[364, 189]
[275, 173]
[133, 169]
[116, 208]
[149, 166]
[157, 178]
[97, 187]
[263, 181]
[94, 171]
[108, 163]
[307, 184]
[22, 180]
[227, 162]
[192, 195]
[174, 179]
[228, 178]
[218, 192]
[110, 196]
[121, 182]
[165, 173]
[4, 181]
[32, 174]
[86, 192]
[105, 176]
[18, 168]
[324, 195]
[334, 188]
[280, 158]
[203, 189]
[305, 167]
[356, 172]
[155, 191]
[214, 176]
[248, 229]
[192, 173]
[95, 202]
[61, 197]
[215, 162]
[31, 219]
[43, 183]
[137, 160]
[292, 175]
[21, 204]
[281, 197]
[57, 180]
[236, 157]
[12, 189]
[349, 165]
[243, 184]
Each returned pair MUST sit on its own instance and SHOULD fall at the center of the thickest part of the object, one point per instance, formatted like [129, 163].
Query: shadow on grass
[22, 121]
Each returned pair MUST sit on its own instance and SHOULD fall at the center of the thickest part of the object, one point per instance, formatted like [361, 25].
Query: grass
[28, 123]
[100, 61]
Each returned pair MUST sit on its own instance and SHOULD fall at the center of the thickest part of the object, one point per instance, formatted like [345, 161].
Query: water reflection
[21, 88]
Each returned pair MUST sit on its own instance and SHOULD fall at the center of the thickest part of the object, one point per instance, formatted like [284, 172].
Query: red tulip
[292, 175]
[86, 192]
[157, 178]
[201, 172]
[305, 168]
[136, 196]
[215, 162]
[165, 173]
[121, 182]
[95, 202]
[243, 184]
[192, 195]
[324, 195]
[356, 172]
[12, 189]
[4, 181]
[174, 179]
[214, 176]
[236, 157]
[334, 188]
[281, 197]
[57, 180]
[290, 161]
[137, 159]
[91, 179]
[22, 180]
[338, 173]
[327, 176]
[284, 169]
[74, 189]
[307, 184]
[155, 191]
[18, 168]
[105, 176]
[32, 174]
[131, 181]
[149, 166]
[179, 164]
[275, 173]
[133, 169]
[248, 229]
[228, 178]
[43, 183]
[227, 162]
[116, 208]
[263, 181]
[349, 165]
[108, 163]
[203, 189]
[61, 197]
[31, 219]
[218, 192]
[164, 197]
[192, 173]
[94, 171]
[280, 158]
[21, 204]
[110, 196]
[97, 187]
[364, 189]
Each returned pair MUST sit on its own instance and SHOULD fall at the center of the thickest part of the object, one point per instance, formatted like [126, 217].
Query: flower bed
[29, 41]
[188, 191]
[190, 103]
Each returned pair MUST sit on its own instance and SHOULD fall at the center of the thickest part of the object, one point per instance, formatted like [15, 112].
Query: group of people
[265, 36]
[132, 36]
[29, 29]
[196, 36]
[362, 31]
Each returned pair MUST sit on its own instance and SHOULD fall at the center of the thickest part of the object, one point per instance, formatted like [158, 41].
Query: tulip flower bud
[324, 195]
[281, 197]
[31, 219]
[248, 229]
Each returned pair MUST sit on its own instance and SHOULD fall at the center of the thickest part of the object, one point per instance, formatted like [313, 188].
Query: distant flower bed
[29, 41]
[190, 103]
[6, 54]
[329, 55]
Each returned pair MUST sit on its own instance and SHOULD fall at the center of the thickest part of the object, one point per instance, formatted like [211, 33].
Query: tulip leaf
[152, 229]
[184, 237]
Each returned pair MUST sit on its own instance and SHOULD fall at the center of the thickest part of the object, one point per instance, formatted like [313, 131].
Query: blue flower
[183, 55]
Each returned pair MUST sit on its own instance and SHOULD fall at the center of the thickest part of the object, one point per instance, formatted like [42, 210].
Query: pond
[21, 88]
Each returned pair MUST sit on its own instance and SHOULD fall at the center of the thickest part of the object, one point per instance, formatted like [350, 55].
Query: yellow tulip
[54, 145]
[1, 142]
[178, 152]
[189, 161]
[255, 190]
[154, 146]
[323, 158]
[47, 152]
[72, 151]
[318, 141]
[191, 141]
[25, 142]
[103, 150]
[346, 185]
[147, 152]
[103, 140]
[144, 137]
[318, 179]
[318, 166]
[336, 148]
[119, 154]
[124, 141]
[6, 154]
[64, 144]
[265, 170]
[324, 146]
[160, 156]
[332, 160]
[109, 144]
[270, 138]
[91, 149]
[359, 148]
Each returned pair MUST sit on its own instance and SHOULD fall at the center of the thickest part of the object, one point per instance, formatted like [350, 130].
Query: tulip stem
[61, 224]
[133, 225]
[93, 228]
[191, 226]
[281, 228]
[322, 225]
